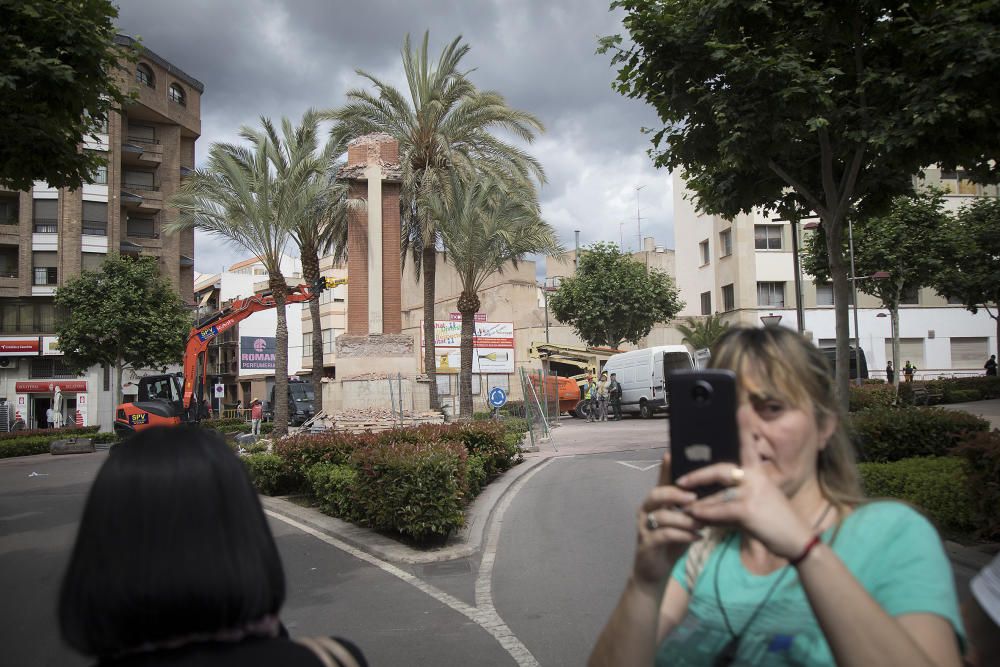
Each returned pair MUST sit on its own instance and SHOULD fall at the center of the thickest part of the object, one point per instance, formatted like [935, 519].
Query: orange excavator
[173, 399]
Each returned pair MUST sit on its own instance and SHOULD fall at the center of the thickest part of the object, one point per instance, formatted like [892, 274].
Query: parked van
[831, 355]
[300, 402]
[641, 374]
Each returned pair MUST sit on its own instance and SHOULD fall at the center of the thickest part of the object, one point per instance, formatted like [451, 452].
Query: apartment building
[743, 267]
[49, 235]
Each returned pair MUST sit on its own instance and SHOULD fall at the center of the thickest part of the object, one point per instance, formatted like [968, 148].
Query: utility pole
[576, 252]
[621, 237]
[638, 224]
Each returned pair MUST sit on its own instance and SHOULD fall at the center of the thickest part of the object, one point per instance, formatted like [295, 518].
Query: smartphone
[703, 428]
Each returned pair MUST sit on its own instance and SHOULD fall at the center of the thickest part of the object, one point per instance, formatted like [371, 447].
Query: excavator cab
[158, 403]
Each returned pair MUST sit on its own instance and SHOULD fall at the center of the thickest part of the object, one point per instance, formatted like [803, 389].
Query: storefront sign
[257, 352]
[48, 386]
[18, 347]
[81, 411]
[50, 345]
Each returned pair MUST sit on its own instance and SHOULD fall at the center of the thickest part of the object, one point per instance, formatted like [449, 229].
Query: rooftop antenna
[638, 223]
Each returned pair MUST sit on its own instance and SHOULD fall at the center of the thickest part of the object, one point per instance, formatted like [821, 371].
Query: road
[550, 570]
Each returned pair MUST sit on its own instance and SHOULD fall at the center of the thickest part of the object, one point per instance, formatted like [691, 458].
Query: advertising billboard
[257, 352]
[492, 347]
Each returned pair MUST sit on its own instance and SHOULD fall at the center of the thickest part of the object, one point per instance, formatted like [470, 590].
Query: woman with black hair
[174, 563]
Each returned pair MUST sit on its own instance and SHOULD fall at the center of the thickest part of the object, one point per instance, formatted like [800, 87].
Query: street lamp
[770, 320]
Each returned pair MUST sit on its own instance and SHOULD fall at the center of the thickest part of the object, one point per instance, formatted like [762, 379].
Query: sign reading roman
[257, 352]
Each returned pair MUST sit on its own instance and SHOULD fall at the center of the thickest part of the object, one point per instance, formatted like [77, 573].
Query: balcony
[140, 151]
[141, 197]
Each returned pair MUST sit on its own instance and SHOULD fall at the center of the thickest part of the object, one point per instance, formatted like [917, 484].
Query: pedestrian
[179, 566]
[50, 419]
[908, 371]
[256, 414]
[789, 563]
[590, 397]
[615, 394]
[602, 398]
[239, 409]
[981, 615]
[888, 373]
[991, 365]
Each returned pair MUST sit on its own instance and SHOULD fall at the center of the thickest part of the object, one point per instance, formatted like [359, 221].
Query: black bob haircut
[173, 542]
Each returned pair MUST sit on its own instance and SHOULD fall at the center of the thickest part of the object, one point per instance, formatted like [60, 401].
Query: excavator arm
[195, 362]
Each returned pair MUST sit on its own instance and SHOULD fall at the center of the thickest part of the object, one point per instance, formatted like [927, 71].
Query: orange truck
[572, 363]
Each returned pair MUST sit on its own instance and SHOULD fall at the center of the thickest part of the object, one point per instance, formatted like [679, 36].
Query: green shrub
[886, 434]
[517, 424]
[105, 438]
[52, 434]
[335, 486]
[985, 388]
[417, 489]
[270, 474]
[304, 450]
[981, 453]
[482, 416]
[513, 409]
[476, 472]
[257, 447]
[487, 440]
[875, 395]
[961, 395]
[936, 485]
[24, 447]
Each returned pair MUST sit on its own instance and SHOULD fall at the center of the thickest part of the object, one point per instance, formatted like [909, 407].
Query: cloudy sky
[278, 58]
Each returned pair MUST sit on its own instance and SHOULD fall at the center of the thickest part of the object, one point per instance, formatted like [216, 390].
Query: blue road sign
[497, 397]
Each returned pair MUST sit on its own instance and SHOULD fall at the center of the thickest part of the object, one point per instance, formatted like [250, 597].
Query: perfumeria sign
[257, 352]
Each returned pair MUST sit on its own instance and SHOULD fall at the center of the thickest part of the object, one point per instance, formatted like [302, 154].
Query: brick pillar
[369, 157]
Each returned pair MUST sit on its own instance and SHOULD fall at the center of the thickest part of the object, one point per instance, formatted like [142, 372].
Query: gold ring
[737, 475]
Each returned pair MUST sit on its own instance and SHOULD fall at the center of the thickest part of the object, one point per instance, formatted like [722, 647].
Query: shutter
[969, 352]
[95, 211]
[45, 259]
[910, 349]
[46, 209]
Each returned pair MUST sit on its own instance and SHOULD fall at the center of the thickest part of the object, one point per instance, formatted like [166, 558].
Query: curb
[466, 542]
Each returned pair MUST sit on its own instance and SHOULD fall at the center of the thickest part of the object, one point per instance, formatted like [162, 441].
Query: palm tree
[249, 197]
[321, 226]
[702, 333]
[444, 124]
[485, 224]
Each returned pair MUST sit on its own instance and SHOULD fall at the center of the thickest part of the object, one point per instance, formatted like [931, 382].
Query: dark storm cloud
[257, 57]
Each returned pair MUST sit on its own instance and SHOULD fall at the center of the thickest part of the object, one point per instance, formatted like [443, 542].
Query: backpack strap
[329, 651]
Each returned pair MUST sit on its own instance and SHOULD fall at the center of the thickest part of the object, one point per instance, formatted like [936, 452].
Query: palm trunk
[468, 305]
[280, 360]
[429, 266]
[310, 271]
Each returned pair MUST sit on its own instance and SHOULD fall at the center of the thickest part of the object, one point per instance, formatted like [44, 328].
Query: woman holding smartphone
[788, 563]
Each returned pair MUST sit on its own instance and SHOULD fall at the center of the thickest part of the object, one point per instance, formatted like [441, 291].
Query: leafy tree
[900, 242]
[59, 82]
[613, 299]
[446, 122]
[971, 259]
[701, 333]
[805, 104]
[125, 314]
[485, 226]
[252, 197]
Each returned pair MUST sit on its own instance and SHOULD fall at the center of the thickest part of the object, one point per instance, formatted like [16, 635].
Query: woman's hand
[752, 503]
[664, 530]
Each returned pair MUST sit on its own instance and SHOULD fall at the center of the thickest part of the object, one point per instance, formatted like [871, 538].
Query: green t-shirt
[893, 551]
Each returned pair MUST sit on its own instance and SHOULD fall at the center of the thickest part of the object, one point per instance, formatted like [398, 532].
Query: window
[703, 248]
[330, 340]
[728, 297]
[969, 352]
[706, 303]
[35, 317]
[141, 226]
[100, 175]
[144, 134]
[46, 216]
[824, 294]
[726, 241]
[176, 94]
[9, 257]
[92, 261]
[958, 183]
[99, 126]
[307, 345]
[139, 180]
[48, 369]
[771, 294]
[767, 237]
[8, 211]
[144, 75]
[910, 296]
[910, 349]
[95, 218]
[46, 275]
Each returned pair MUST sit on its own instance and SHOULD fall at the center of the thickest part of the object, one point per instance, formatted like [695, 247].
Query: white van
[640, 373]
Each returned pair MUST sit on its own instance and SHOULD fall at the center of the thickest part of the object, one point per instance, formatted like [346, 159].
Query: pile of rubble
[372, 419]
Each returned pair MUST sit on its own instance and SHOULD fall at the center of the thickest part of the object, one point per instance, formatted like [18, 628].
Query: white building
[744, 268]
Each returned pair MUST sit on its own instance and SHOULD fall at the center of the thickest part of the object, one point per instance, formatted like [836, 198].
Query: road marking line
[483, 614]
[641, 468]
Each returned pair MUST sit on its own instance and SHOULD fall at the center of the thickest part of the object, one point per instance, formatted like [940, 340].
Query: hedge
[981, 453]
[887, 434]
[874, 395]
[24, 447]
[268, 473]
[335, 486]
[936, 485]
[983, 386]
[37, 441]
[55, 434]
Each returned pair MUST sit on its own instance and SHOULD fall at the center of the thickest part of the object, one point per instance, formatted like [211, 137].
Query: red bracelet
[805, 552]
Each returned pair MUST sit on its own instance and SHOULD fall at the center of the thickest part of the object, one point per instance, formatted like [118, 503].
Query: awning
[186, 261]
[132, 148]
[129, 198]
[129, 247]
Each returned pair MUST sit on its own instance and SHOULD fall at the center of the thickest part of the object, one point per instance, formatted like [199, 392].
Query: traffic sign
[220, 390]
[497, 397]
